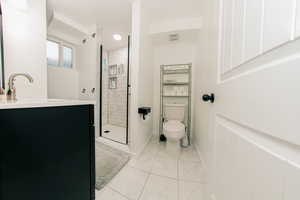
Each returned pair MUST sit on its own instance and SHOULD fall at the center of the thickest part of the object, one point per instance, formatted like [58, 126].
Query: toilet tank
[175, 112]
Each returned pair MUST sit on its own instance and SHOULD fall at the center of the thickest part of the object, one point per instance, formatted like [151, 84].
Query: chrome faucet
[12, 92]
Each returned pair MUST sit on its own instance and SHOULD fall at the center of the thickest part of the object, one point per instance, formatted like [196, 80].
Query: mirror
[99, 44]
[2, 81]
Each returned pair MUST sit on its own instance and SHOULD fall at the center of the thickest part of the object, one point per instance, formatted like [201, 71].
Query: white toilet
[174, 118]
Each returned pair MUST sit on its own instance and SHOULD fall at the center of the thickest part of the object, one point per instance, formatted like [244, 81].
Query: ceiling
[113, 16]
[173, 9]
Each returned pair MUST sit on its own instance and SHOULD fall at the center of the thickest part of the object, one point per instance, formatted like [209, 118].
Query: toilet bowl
[173, 127]
[174, 130]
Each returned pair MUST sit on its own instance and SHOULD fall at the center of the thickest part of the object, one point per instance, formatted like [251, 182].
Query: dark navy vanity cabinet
[47, 153]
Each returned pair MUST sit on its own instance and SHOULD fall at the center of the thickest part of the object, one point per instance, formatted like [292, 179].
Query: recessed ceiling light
[117, 37]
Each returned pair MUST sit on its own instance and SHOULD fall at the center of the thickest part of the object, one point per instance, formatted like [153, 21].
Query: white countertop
[36, 103]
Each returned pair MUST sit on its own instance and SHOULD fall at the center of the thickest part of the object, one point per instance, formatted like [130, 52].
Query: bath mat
[109, 162]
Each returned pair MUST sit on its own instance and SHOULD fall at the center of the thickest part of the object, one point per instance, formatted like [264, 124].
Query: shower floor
[115, 133]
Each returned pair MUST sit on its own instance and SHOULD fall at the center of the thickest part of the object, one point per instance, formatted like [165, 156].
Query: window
[52, 53]
[59, 54]
[67, 57]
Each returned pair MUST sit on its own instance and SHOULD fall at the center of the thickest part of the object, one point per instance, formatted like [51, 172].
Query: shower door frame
[127, 97]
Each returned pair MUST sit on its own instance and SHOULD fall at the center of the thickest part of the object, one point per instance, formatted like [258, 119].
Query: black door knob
[210, 98]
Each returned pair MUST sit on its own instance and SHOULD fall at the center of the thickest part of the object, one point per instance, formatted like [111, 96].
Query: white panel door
[256, 114]
[253, 29]
[257, 122]
[278, 22]
[297, 29]
[238, 32]
[227, 35]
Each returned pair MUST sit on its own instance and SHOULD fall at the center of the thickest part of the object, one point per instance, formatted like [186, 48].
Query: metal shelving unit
[175, 84]
[177, 69]
[175, 96]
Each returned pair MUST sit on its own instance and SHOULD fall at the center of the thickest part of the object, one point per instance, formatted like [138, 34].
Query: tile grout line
[162, 176]
[136, 168]
[128, 166]
[144, 186]
[149, 174]
[154, 158]
[154, 155]
[178, 183]
[118, 192]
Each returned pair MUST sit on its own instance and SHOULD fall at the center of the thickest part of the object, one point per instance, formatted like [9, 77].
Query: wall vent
[173, 37]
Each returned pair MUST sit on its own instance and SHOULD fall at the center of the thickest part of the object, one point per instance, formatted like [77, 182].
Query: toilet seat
[174, 130]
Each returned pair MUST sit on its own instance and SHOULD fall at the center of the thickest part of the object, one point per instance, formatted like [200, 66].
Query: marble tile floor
[160, 172]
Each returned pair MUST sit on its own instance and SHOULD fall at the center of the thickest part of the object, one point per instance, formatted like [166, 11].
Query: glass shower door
[114, 94]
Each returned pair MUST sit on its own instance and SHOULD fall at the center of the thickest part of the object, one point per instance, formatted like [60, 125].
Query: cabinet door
[46, 154]
[92, 152]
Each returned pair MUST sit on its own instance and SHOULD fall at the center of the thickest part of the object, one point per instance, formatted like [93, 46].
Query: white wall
[62, 83]
[88, 67]
[150, 49]
[205, 83]
[168, 54]
[25, 46]
[141, 77]
[87, 64]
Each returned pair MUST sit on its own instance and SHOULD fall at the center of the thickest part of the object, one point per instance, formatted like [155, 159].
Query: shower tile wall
[115, 100]
[105, 89]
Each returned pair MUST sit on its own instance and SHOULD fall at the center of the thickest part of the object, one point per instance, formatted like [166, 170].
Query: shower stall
[114, 95]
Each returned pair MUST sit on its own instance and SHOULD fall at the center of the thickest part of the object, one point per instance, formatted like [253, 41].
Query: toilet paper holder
[144, 111]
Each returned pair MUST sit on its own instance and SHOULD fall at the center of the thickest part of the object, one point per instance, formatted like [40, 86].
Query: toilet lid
[174, 126]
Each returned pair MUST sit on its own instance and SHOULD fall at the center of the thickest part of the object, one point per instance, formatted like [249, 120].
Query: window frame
[62, 44]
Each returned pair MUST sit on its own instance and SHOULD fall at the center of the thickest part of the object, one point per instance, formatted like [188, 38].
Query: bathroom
[143, 100]
[95, 61]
